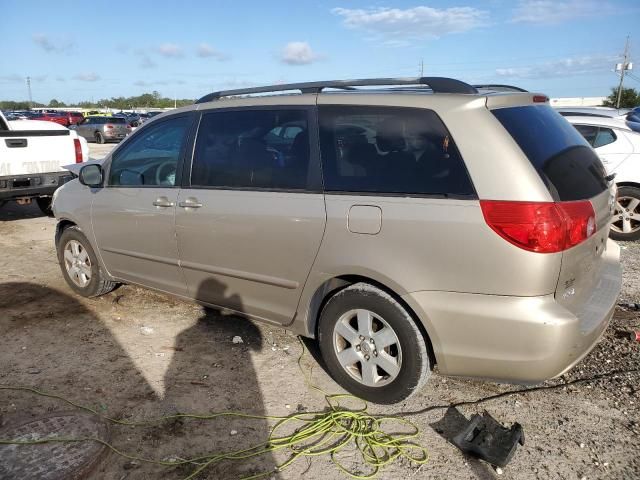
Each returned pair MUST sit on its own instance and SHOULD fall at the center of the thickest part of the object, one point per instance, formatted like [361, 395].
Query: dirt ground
[135, 354]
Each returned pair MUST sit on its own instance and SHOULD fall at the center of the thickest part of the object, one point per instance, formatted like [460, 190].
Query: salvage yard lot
[136, 354]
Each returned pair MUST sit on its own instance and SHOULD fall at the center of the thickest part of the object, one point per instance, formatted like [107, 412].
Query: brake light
[542, 227]
[109, 125]
[540, 99]
[78, 148]
[128, 127]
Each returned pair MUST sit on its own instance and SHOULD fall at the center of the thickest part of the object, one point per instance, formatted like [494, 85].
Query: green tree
[630, 98]
[55, 103]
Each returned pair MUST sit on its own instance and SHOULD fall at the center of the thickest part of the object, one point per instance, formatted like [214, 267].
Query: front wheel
[626, 221]
[372, 346]
[79, 264]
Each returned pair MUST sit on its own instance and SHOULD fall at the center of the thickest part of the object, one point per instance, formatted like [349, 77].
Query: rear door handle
[163, 202]
[16, 142]
[190, 202]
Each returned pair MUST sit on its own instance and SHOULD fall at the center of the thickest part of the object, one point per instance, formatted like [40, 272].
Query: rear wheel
[372, 346]
[99, 138]
[80, 266]
[44, 204]
[626, 222]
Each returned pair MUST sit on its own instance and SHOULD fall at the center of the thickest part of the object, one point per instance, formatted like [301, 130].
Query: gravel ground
[136, 354]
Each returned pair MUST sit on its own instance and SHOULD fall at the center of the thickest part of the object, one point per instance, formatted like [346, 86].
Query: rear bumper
[516, 339]
[32, 185]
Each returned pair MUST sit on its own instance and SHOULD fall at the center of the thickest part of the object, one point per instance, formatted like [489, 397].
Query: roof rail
[497, 87]
[436, 84]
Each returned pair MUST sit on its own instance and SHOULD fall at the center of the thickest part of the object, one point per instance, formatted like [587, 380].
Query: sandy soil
[135, 354]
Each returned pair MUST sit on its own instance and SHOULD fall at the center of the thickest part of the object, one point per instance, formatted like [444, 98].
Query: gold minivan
[403, 223]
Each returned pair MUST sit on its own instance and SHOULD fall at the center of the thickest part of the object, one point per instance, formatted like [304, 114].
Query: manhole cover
[52, 461]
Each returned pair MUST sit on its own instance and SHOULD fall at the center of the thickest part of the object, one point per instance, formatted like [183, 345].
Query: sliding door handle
[190, 203]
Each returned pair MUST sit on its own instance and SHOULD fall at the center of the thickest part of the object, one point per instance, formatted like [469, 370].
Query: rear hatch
[572, 172]
[119, 125]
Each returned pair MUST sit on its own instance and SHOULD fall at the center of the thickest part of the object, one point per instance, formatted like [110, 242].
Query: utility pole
[622, 70]
[29, 90]
[421, 68]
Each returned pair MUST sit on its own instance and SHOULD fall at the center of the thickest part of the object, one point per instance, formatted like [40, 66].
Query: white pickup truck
[32, 156]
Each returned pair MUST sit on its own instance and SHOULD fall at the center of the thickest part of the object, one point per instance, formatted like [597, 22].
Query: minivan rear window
[116, 120]
[390, 150]
[563, 158]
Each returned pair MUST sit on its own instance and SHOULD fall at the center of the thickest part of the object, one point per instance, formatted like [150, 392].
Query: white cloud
[298, 53]
[567, 67]
[141, 83]
[52, 45]
[397, 26]
[87, 77]
[558, 11]
[170, 50]
[13, 78]
[146, 62]
[205, 50]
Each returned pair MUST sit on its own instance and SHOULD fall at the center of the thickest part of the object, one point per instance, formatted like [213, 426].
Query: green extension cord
[313, 434]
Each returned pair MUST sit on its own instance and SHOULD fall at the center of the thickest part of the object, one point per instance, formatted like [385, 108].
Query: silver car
[103, 129]
[429, 223]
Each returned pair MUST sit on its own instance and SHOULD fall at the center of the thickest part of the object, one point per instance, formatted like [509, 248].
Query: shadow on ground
[53, 342]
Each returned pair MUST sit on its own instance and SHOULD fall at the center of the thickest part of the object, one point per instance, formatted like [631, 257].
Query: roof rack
[497, 87]
[436, 84]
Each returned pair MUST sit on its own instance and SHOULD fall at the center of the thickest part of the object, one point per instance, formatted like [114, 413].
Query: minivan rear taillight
[543, 227]
[78, 148]
[108, 125]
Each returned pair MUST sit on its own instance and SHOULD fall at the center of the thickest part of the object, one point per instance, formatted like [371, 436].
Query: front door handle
[190, 202]
[163, 202]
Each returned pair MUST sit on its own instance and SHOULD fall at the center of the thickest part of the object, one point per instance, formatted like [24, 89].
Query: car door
[86, 128]
[133, 216]
[612, 147]
[251, 214]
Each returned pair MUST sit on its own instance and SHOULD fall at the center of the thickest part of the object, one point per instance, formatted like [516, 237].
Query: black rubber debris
[485, 438]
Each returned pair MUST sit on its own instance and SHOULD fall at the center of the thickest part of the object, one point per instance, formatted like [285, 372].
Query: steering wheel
[162, 166]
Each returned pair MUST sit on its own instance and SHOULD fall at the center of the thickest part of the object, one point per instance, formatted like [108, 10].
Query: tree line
[146, 100]
[629, 98]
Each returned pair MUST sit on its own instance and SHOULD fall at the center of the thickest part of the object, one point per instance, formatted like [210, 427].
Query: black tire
[415, 367]
[625, 193]
[44, 204]
[99, 138]
[98, 283]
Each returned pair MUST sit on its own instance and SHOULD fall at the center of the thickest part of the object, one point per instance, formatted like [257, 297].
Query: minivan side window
[390, 150]
[262, 149]
[151, 157]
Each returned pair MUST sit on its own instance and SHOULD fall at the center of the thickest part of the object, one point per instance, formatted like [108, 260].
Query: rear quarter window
[390, 150]
[563, 158]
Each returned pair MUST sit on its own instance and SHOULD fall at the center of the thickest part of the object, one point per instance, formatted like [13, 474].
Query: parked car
[619, 149]
[103, 129]
[59, 118]
[389, 227]
[32, 156]
[74, 118]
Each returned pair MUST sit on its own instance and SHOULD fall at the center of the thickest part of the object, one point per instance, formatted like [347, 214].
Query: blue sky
[91, 50]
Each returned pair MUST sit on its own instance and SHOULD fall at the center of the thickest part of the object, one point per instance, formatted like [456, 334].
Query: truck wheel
[372, 346]
[80, 266]
[626, 220]
[99, 138]
[44, 204]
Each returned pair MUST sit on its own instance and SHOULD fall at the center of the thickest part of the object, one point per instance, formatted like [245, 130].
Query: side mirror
[91, 176]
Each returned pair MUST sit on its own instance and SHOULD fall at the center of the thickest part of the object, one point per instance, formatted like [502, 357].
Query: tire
[408, 353]
[99, 138]
[96, 282]
[627, 197]
[44, 204]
